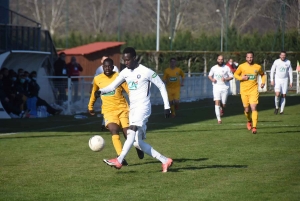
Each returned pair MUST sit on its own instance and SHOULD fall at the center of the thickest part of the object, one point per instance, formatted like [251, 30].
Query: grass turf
[49, 159]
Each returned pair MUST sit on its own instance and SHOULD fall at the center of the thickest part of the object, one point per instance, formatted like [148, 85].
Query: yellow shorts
[120, 117]
[250, 98]
[173, 94]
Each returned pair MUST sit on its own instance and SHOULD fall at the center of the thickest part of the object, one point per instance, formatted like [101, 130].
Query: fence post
[298, 87]
[69, 95]
[205, 65]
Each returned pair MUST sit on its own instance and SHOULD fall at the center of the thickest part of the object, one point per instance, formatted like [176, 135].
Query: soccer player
[220, 75]
[139, 79]
[247, 74]
[173, 82]
[283, 70]
[114, 106]
[99, 70]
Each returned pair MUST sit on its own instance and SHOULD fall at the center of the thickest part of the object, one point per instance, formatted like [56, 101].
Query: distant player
[247, 74]
[220, 75]
[174, 79]
[114, 106]
[99, 70]
[283, 70]
[139, 79]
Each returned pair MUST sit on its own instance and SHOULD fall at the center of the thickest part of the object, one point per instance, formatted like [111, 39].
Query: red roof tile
[90, 48]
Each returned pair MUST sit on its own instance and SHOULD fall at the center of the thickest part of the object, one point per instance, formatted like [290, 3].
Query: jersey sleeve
[262, 74]
[165, 76]
[291, 74]
[155, 79]
[211, 72]
[181, 73]
[272, 71]
[117, 82]
[92, 97]
[237, 73]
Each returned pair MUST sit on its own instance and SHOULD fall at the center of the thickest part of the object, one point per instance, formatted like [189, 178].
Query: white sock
[127, 145]
[103, 122]
[152, 152]
[282, 104]
[217, 111]
[276, 102]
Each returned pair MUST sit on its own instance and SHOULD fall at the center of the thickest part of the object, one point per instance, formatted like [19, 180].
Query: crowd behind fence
[196, 87]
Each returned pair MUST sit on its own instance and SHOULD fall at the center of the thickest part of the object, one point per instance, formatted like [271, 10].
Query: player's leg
[284, 89]
[277, 95]
[224, 95]
[217, 99]
[148, 149]
[253, 104]
[112, 124]
[247, 112]
[124, 119]
[176, 98]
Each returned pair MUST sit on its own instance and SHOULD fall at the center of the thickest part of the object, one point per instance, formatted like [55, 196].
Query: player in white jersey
[283, 71]
[139, 79]
[99, 70]
[220, 75]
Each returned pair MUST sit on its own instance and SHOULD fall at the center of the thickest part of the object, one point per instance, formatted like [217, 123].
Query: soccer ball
[96, 143]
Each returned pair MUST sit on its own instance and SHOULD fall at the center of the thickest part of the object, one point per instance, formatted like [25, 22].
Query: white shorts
[220, 94]
[281, 86]
[139, 117]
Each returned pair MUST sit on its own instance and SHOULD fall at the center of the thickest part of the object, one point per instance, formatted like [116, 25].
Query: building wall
[4, 14]
[91, 62]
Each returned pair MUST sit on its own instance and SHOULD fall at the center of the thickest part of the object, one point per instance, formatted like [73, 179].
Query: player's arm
[125, 87]
[238, 75]
[291, 75]
[92, 98]
[210, 76]
[117, 82]
[263, 77]
[155, 79]
[182, 77]
[165, 76]
[272, 73]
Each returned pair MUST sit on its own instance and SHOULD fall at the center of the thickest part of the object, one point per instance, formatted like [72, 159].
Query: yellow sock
[117, 143]
[172, 109]
[254, 118]
[248, 115]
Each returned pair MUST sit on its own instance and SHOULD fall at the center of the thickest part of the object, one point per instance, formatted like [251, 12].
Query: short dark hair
[250, 52]
[282, 51]
[129, 50]
[109, 60]
[173, 58]
[62, 53]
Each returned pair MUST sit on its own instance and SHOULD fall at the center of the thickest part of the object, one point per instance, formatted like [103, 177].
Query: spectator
[60, 69]
[33, 91]
[73, 70]
[9, 107]
[232, 65]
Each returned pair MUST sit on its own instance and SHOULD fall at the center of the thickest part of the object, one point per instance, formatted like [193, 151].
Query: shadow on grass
[177, 160]
[172, 169]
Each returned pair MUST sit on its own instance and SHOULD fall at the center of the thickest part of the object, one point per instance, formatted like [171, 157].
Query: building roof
[90, 48]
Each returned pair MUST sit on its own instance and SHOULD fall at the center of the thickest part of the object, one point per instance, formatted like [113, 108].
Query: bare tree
[50, 13]
[96, 14]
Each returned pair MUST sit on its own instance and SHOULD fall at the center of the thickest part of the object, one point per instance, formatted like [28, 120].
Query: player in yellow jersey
[247, 74]
[115, 108]
[174, 79]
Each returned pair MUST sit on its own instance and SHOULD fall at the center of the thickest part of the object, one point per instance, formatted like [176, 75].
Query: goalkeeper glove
[167, 113]
[97, 94]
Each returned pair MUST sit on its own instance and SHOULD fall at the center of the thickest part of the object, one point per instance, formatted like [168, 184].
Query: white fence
[76, 99]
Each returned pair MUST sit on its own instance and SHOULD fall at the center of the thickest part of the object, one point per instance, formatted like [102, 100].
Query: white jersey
[282, 69]
[219, 72]
[99, 70]
[139, 82]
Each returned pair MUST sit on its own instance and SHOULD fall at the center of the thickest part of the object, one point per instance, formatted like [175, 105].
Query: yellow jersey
[113, 100]
[252, 71]
[172, 77]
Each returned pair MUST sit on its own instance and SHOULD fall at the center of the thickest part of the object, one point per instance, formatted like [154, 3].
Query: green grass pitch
[49, 158]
